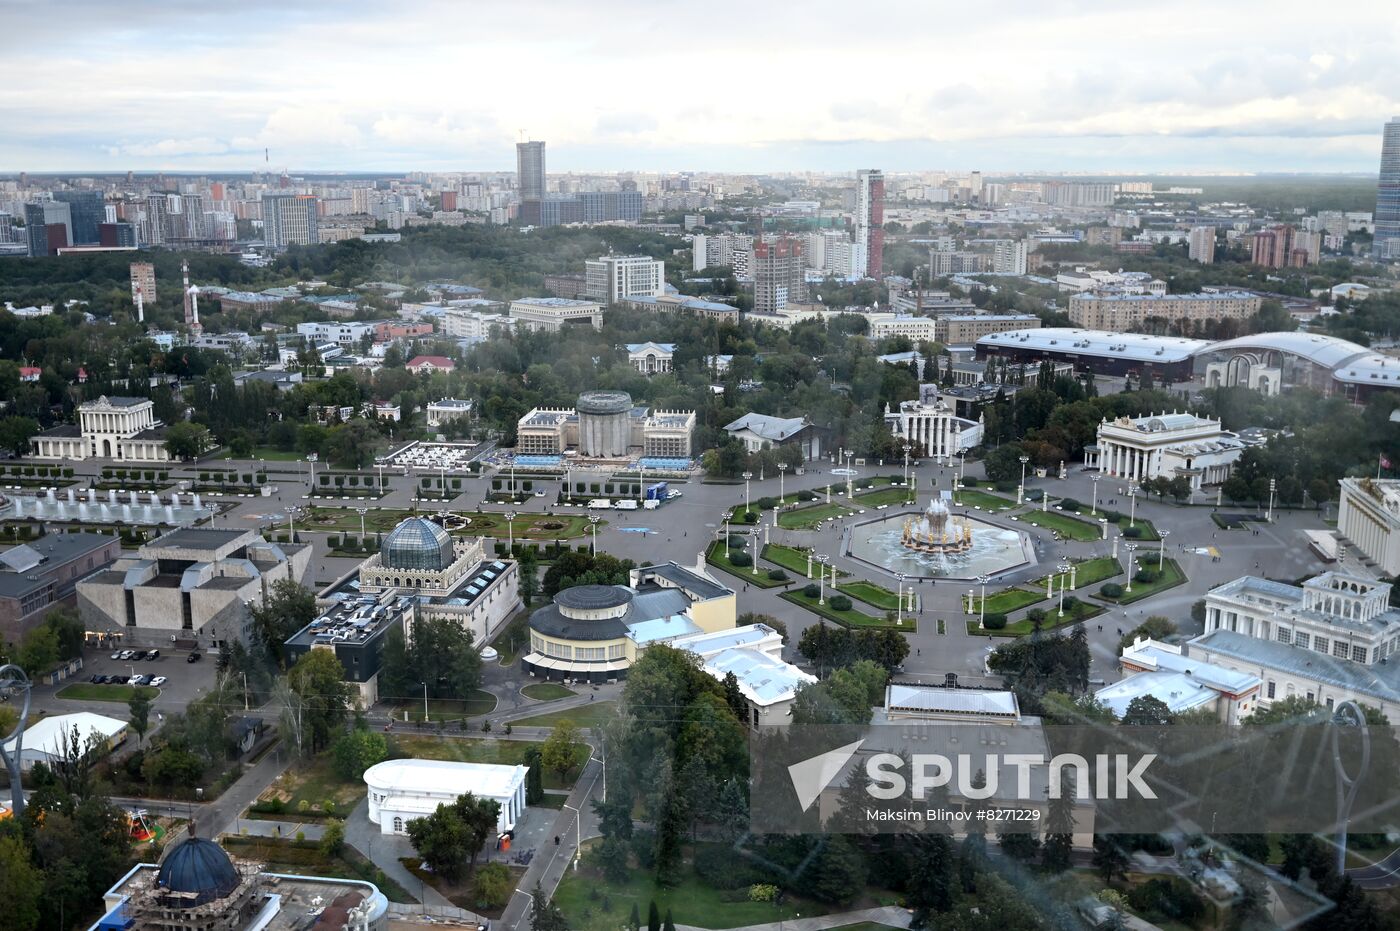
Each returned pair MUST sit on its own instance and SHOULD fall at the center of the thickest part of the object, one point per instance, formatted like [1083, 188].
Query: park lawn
[807, 518]
[581, 893]
[794, 559]
[553, 800]
[546, 691]
[502, 751]
[971, 497]
[269, 453]
[872, 499]
[1172, 576]
[314, 781]
[715, 557]
[300, 859]
[1087, 573]
[445, 709]
[1004, 601]
[1063, 524]
[1079, 611]
[91, 691]
[591, 714]
[851, 618]
[875, 595]
[513, 639]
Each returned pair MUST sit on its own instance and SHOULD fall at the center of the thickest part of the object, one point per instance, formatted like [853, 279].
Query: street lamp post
[1021, 492]
[899, 608]
[291, 522]
[782, 484]
[756, 550]
[982, 614]
[747, 505]
[1132, 566]
[425, 702]
[1272, 486]
[821, 583]
[594, 521]
[1063, 568]
[907, 448]
[726, 539]
[578, 834]
[362, 512]
[1162, 549]
[510, 532]
[1094, 506]
[1132, 505]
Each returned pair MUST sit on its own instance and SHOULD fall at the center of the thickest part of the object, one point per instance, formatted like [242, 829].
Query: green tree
[288, 608]
[318, 680]
[39, 651]
[1110, 859]
[21, 886]
[186, 440]
[837, 873]
[561, 748]
[333, 839]
[15, 433]
[356, 751]
[140, 707]
[491, 886]
[441, 839]
[1147, 711]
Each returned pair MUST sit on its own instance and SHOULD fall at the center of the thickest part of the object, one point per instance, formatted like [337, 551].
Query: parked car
[127, 654]
[192, 658]
[141, 680]
[539, 494]
[117, 680]
[96, 679]
[139, 655]
[158, 681]
[153, 654]
[117, 655]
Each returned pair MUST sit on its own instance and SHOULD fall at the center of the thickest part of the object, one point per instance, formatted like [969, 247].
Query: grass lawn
[580, 896]
[460, 891]
[287, 856]
[553, 800]
[872, 594]
[513, 639]
[715, 557]
[793, 559]
[593, 714]
[503, 751]
[1063, 524]
[314, 781]
[851, 618]
[972, 498]
[546, 691]
[89, 691]
[268, 453]
[883, 496]
[1087, 573]
[808, 518]
[1079, 611]
[1004, 601]
[446, 709]
[1172, 575]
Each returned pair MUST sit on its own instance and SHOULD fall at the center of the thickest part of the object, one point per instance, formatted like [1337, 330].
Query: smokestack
[140, 306]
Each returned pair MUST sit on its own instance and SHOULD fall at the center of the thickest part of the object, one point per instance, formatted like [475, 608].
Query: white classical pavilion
[1165, 445]
[931, 426]
[1369, 518]
[401, 791]
[108, 428]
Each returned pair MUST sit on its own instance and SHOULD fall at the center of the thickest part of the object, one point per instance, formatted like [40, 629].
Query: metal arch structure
[11, 673]
[1348, 714]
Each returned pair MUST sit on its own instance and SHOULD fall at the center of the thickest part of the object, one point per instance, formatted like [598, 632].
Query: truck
[600, 503]
[651, 504]
[657, 492]
[625, 504]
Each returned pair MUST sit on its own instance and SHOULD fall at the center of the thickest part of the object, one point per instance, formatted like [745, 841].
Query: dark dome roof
[593, 597]
[417, 543]
[199, 866]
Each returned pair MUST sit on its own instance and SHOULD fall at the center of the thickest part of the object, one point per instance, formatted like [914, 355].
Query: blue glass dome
[201, 867]
[417, 544]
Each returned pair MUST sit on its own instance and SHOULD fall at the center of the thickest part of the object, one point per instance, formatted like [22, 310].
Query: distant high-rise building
[289, 219]
[779, 274]
[1202, 244]
[86, 211]
[1009, 257]
[116, 234]
[1273, 247]
[529, 170]
[615, 278]
[870, 219]
[35, 230]
[1386, 244]
[143, 278]
[155, 229]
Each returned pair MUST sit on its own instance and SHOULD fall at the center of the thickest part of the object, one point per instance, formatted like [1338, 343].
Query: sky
[753, 86]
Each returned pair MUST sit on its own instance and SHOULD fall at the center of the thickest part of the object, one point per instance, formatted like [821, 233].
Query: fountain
[76, 506]
[72, 496]
[133, 501]
[92, 495]
[112, 496]
[935, 543]
[929, 533]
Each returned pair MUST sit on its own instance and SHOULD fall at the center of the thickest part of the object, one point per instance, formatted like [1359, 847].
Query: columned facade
[1165, 446]
[108, 428]
[933, 429]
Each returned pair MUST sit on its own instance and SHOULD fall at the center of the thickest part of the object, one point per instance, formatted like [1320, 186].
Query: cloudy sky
[754, 85]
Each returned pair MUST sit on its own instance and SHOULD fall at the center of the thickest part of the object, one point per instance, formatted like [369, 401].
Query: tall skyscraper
[290, 219]
[779, 274]
[87, 213]
[870, 219]
[529, 169]
[1386, 244]
[35, 230]
[1202, 248]
[143, 278]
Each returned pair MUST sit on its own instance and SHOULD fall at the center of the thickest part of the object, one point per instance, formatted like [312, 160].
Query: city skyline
[355, 87]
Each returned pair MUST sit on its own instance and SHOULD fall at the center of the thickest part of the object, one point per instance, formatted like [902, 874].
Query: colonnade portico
[1123, 461]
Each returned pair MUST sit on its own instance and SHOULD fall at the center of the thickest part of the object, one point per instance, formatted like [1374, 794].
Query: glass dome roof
[201, 867]
[417, 543]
